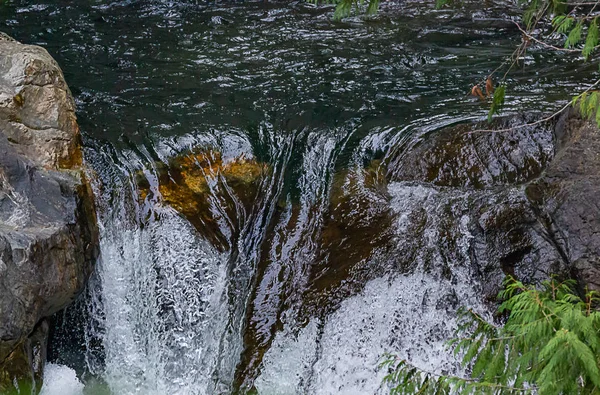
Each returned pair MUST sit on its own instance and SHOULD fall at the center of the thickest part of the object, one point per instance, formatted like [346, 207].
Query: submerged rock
[189, 183]
[48, 230]
[462, 157]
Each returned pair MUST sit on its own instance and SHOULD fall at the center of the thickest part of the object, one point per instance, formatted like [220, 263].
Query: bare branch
[538, 122]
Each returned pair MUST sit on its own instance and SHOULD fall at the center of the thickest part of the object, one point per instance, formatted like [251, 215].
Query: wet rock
[306, 271]
[358, 224]
[566, 199]
[189, 183]
[458, 157]
[519, 202]
[48, 231]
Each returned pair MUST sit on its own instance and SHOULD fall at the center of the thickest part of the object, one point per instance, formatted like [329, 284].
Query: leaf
[476, 91]
[343, 9]
[373, 7]
[440, 3]
[591, 40]
[563, 23]
[574, 36]
[489, 86]
[497, 101]
[530, 12]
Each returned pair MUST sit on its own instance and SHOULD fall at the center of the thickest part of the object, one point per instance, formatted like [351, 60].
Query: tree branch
[538, 122]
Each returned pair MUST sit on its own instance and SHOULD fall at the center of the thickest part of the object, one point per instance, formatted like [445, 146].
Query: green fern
[588, 104]
[549, 345]
[591, 40]
[574, 36]
[563, 23]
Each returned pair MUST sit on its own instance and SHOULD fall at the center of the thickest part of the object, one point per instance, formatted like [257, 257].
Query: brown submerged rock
[189, 181]
[48, 230]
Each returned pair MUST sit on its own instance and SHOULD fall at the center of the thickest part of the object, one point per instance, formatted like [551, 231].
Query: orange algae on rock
[210, 191]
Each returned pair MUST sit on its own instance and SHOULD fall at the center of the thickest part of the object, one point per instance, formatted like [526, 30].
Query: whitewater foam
[61, 380]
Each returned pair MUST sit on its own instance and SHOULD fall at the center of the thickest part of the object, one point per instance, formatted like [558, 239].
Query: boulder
[48, 230]
[519, 200]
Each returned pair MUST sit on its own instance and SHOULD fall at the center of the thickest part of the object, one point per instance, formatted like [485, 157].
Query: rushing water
[302, 292]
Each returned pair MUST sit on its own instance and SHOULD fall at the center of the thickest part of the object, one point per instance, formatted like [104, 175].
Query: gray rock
[566, 201]
[528, 197]
[48, 231]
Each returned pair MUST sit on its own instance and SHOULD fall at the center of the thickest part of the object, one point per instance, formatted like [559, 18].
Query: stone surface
[189, 181]
[48, 231]
[457, 157]
[520, 202]
[566, 200]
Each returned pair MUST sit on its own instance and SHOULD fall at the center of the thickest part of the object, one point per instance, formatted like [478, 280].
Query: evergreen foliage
[549, 345]
[497, 101]
[345, 8]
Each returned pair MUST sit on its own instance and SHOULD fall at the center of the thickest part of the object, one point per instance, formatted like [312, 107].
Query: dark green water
[280, 82]
[141, 70]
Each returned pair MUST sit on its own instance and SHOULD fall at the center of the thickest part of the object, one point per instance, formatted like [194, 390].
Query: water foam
[61, 380]
[411, 316]
[162, 290]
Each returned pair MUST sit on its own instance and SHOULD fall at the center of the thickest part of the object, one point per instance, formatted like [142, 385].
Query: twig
[577, 4]
[529, 36]
[540, 121]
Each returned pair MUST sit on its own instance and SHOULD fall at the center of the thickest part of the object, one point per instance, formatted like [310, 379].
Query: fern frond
[591, 40]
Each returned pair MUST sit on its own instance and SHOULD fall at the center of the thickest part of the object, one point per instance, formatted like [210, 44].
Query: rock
[566, 201]
[456, 157]
[189, 181]
[521, 202]
[48, 230]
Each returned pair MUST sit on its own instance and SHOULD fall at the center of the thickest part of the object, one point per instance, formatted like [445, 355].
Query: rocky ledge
[520, 200]
[48, 230]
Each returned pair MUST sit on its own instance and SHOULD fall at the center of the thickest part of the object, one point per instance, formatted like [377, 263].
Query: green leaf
[591, 40]
[574, 36]
[528, 15]
[373, 7]
[497, 101]
[563, 23]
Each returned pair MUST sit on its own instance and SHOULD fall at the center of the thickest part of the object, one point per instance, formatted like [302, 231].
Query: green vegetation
[345, 8]
[549, 345]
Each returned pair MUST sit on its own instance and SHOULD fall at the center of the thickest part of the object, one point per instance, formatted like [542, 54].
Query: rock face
[48, 231]
[521, 201]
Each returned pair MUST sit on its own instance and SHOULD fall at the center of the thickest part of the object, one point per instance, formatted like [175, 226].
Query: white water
[410, 315]
[405, 316]
[161, 339]
[61, 380]
[170, 325]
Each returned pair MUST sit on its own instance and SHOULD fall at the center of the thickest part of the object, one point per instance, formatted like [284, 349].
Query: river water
[293, 284]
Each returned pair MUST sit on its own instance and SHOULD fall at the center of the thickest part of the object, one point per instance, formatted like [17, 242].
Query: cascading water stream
[299, 280]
